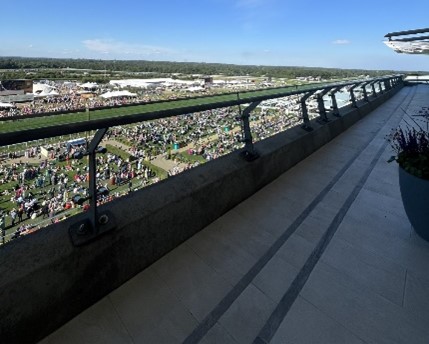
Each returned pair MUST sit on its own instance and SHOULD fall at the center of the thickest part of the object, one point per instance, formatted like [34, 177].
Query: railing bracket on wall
[306, 126]
[334, 106]
[249, 152]
[95, 224]
[84, 232]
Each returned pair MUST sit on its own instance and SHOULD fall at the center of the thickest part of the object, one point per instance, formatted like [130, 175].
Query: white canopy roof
[114, 94]
[6, 105]
[421, 47]
[43, 90]
[195, 89]
[91, 85]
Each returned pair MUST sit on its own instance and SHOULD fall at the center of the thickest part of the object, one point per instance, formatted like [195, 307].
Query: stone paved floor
[324, 254]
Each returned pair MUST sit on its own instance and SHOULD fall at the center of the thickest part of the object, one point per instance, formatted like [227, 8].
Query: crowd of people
[47, 189]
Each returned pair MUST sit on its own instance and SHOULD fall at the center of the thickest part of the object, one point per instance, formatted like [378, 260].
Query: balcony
[322, 254]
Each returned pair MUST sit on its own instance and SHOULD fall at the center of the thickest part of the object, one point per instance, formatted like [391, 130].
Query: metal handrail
[96, 224]
[28, 129]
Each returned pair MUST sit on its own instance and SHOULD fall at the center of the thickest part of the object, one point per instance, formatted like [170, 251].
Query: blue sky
[341, 34]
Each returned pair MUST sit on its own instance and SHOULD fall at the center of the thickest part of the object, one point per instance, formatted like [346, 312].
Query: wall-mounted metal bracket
[94, 224]
[84, 232]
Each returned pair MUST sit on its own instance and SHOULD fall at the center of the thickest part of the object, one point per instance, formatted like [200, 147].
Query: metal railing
[23, 129]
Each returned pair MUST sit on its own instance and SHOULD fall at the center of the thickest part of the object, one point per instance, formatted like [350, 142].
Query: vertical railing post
[335, 110]
[352, 96]
[249, 153]
[321, 108]
[380, 88]
[374, 92]
[321, 105]
[365, 94]
[92, 188]
[94, 225]
[306, 125]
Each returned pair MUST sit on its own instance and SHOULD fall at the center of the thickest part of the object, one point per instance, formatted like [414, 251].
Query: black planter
[415, 197]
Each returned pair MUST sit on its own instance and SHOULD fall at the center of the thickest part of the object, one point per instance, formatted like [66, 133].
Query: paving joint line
[201, 330]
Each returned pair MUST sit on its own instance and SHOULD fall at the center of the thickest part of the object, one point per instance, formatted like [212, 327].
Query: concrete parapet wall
[45, 280]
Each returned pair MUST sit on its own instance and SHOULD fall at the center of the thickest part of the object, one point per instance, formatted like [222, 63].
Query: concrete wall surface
[45, 280]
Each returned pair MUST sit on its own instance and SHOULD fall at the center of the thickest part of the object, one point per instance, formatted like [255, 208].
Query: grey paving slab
[196, 284]
[305, 324]
[98, 324]
[382, 185]
[149, 309]
[309, 174]
[251, 237]
[325, 211]
[218, 335]
[275, 278]
[416, 297]
[295, 251]
[351, 178]
[334, 200]
[375, 200]
[386, 242]
[298, 193]
[368, 315]
[325, 160]
[369, 221]
[226, 257]
[337, 152]
[312, 229]
[315, 163]
[247, 314]
[272, 217]
[368, 269]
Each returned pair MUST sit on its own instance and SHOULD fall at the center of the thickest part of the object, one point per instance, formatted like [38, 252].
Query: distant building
[18, 90]
[208, 81]
[11, 86]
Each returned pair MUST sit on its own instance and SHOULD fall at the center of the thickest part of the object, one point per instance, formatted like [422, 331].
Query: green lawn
[70, 118]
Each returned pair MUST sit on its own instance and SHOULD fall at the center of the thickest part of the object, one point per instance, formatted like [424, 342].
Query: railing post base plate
[306, 127]
[249, 156]
[83, 232]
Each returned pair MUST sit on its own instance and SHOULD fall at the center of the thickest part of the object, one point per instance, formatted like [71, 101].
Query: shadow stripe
[210, 320]
[283, 307]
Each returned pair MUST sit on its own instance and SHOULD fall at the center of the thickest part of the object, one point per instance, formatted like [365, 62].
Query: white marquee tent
[116, 94]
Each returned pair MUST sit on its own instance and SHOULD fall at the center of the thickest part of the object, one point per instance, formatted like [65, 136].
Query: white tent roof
[89, 85]
[6, 105]
[195, 89]
[114, 94]
[43, 90]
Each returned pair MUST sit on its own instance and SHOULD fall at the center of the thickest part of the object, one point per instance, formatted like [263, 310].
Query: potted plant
[411, 145]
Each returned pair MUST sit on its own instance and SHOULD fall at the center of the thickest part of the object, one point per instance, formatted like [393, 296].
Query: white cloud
[113, 47]
[341, 41]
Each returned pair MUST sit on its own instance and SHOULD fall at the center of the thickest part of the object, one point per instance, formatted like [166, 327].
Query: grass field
[77, 117]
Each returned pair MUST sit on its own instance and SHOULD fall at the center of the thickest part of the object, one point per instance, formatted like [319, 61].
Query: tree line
[59, 68]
